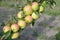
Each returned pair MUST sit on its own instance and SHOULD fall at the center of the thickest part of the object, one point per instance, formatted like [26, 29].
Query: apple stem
[2, 37]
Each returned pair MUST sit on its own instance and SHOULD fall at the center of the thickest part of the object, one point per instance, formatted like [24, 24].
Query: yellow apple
[22, 24]
[35, 6]
[15, 35]
[28, 9]
[20, 14]
[14, 27]
[28, 19]
[41, 9]
[6, 29]
[34, 15]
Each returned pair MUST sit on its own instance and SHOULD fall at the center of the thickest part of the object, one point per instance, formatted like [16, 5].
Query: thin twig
[31, 25]
[2, 37]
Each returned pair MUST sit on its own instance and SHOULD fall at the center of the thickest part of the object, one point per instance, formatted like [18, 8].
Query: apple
[35, 6]
[28, 10]
[14, 27]
[28, 19]
[15, 35]
[41, 9]
[34, 15]
[22, 24]
[6, 29]
[20, 14]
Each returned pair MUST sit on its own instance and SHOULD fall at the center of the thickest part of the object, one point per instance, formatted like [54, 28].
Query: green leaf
[58, 36]
[30, 1]
[37, 13]
[7, 35]
[44, 4]
[9, 38]
[51, 3]
[38, 0]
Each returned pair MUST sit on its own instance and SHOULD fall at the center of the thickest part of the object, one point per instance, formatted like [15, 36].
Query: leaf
[38, 0]
[9, 38]
[30, 1]
[58, 36]
[51, 3]
[7, 34]
[37, 13]
[44, 4]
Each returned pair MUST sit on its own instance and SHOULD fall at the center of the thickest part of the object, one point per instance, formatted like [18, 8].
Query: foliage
[58, 36]
[22, 3]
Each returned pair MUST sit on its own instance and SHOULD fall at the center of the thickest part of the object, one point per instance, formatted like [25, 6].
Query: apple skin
[6, 29]
[28, 10]
[41, 9]
[35, 6]
[15, 35]
[22, 24]
[14, 27]
[20, 14]
[28, 19]
[34, 15]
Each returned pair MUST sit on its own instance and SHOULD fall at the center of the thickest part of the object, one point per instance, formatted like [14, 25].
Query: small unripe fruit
[20, 14]
[41, 9]
[14, 27]
[35, 6]
[22, 24]
[6, 29]
[28, 19]
[15, 35]
[34, 15]
[28, 9]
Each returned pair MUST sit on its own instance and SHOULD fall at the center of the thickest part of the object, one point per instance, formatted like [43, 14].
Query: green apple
[28, 10]
[15, 35]
[35, 6]
[6, 29]
[41, 9]
[14, 27]
[28, 19]
[22, 24]
[20, 14]
[34, 15]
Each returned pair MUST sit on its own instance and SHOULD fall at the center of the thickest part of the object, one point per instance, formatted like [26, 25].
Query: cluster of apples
[25, 17]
